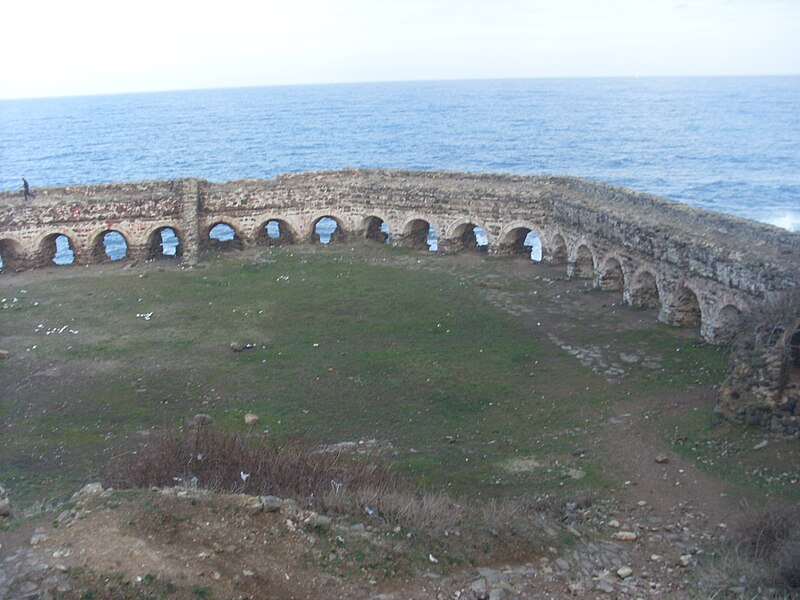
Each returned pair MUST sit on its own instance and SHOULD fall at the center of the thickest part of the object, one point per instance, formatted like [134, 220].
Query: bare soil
[194, 545]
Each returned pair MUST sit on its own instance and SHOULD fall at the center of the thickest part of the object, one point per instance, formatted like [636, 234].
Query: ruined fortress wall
[698, 267]
[745, 254]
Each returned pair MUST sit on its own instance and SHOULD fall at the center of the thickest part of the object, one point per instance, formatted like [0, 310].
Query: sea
[730, 144]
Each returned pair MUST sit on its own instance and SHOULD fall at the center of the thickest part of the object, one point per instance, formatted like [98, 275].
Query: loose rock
[624, 572]
[201, 419]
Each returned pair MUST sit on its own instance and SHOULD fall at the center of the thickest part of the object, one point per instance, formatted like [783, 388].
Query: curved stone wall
[697, 267]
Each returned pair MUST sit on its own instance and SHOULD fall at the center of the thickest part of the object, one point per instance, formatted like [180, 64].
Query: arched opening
[612, 278]
[469, 236]
[793, 346]
[9, 255]
[686, 308]
[164, 242]
[522, 241]
[558, 254]
[327, 230]
[223, 236]
[109, 246]
[57, 249]
[275, 232]
[643, 292]
[420, 235]
[376, 230]
[584, 263]
[727, 325]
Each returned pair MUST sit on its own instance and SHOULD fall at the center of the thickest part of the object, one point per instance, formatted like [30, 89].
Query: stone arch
[726, 326]
[10, 254]
[264, 235]
[516, 241]
[558, 250]
[214, 243]
[57, 248]
[685, 308]
[97, 244]
[376, 229]
[337, 236]
[416, 232]
[583, 265]
[467, 236]
[612, 277]
[793, 347]
[158, 245]
[730, 316]
[643, 291]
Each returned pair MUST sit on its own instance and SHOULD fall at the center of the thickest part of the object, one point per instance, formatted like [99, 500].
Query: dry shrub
[222, 461]
[396, 505]
[771, 540]
[337, 483]
[762, 558]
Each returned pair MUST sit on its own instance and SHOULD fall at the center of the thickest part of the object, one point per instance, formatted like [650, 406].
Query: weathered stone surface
[694, 264]
[763, 385]
[5, 503]
[698, 268]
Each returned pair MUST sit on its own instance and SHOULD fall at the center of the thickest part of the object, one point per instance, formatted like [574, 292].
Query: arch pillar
[190, 222]
[448, 245]
[137, 252]
[581, 265]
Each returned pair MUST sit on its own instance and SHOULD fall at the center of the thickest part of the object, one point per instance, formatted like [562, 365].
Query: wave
[790, 221]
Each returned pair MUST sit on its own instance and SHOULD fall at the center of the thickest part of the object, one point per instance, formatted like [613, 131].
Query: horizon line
[393, 81]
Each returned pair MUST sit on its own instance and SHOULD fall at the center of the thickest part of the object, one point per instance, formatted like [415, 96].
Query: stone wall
[699, 268]
[763, 386]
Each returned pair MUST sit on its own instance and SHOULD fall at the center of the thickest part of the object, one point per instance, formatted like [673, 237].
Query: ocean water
[728, 144]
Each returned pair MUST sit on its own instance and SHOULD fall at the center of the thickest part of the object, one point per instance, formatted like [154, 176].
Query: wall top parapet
[667, 230]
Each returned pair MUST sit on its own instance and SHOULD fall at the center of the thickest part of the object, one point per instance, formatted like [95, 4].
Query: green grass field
[349, 344]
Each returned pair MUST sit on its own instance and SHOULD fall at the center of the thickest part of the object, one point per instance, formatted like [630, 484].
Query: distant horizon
[93, 47]
[396, 81]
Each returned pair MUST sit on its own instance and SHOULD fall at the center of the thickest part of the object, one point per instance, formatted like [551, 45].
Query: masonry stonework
[698, 267]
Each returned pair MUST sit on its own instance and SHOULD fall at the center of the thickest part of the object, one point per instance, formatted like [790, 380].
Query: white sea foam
[790, 221]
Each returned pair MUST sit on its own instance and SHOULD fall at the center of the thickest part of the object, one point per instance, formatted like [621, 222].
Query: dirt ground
[187, 544]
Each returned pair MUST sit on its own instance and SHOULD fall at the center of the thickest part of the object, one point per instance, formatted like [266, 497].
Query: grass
[731, 451]
[333, 482]
[349, 343]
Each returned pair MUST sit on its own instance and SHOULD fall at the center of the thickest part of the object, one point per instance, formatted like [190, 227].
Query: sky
[81, 47]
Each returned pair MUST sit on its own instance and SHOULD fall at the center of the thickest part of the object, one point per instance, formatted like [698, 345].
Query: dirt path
[657, 520]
